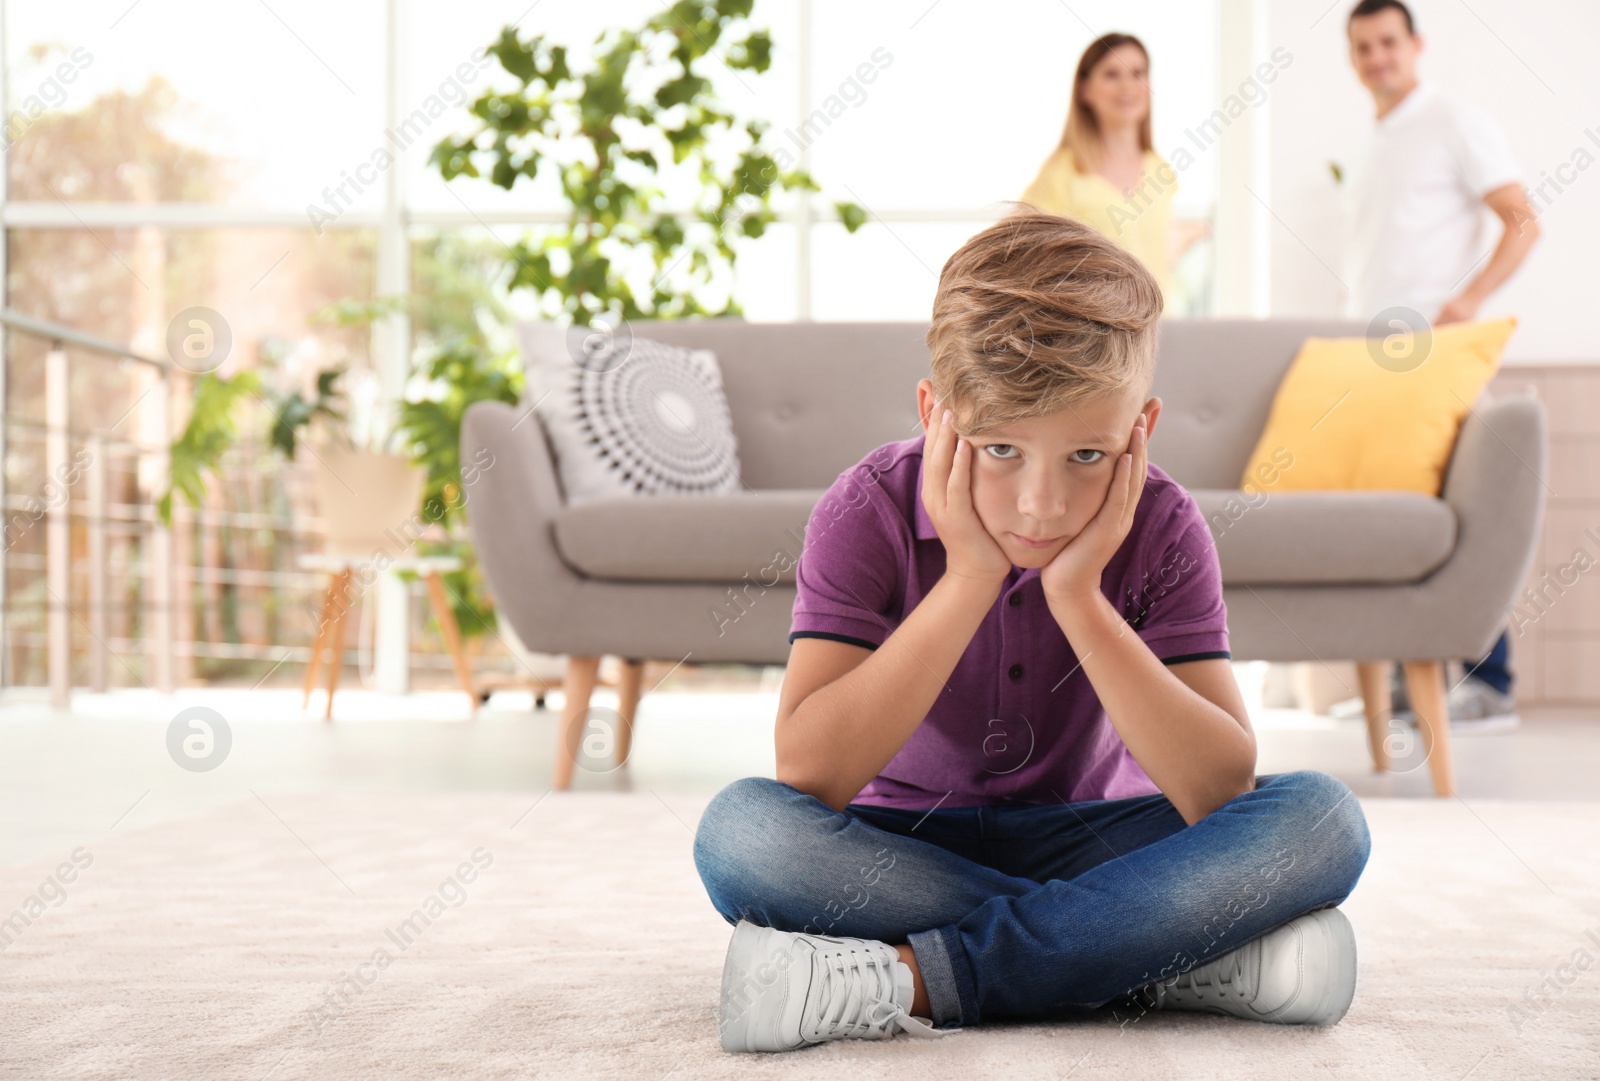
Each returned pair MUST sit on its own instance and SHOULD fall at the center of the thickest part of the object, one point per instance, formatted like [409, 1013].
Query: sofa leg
[582, 672]
[629, 684]
[1375, 697]
[1425, 686]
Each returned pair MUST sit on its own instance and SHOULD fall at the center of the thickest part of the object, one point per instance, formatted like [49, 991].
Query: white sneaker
[782, 990]
[1475, 707]
[1303, 973]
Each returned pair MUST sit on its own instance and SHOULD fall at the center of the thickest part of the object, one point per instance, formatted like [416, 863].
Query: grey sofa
[1365, 576]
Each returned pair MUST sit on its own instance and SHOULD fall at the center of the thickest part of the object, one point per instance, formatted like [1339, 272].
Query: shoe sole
[1335, 941]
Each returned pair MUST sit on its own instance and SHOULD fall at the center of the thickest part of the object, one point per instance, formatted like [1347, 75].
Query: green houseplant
[323, 411]
[212, 427]
[464, 355]
[612, 134]
[643, 113]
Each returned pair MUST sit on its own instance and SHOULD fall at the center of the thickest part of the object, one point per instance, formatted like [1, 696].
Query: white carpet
[587, 949]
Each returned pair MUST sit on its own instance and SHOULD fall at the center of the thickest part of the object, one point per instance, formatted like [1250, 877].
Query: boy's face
[1047, 477]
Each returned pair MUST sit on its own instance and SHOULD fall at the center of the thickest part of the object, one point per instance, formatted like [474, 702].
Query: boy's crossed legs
[1035, 910]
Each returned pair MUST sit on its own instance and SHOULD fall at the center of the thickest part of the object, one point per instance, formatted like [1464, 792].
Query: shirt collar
[1414, 98]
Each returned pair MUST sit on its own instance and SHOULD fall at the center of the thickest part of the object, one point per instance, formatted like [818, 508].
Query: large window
[173, 154]
[272, 114]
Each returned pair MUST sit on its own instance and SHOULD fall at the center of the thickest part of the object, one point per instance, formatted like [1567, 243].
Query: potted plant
[367, 490]
[611, 130]
[615, 131]
[640, 117]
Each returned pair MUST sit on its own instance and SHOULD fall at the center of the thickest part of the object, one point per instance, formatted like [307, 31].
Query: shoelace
[1221, 978]
[857, 997]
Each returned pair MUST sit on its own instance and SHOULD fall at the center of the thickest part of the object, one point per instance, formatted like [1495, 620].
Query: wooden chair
[337, 602]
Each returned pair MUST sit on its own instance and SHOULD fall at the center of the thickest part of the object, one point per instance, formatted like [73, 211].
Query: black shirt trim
[833, 638]
[1216, 654]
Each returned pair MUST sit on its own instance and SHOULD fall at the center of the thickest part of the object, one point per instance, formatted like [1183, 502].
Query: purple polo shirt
[1019, 721]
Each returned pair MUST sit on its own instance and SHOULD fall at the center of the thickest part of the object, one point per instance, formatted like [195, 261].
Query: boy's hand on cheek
[1074, 574]
[970, 551]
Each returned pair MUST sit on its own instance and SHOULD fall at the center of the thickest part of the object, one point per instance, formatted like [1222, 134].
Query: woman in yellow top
[1104, 173]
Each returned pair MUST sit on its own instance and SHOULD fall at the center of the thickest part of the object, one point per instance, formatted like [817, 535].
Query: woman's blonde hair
[1036, 313]
[1081, 135]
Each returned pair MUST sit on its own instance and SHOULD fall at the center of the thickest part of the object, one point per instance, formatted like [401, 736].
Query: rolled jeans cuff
[938, 976]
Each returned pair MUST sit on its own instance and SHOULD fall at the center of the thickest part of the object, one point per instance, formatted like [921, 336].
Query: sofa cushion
[1376, 413]
[1327, 538]
[678, 538]
[630, 416]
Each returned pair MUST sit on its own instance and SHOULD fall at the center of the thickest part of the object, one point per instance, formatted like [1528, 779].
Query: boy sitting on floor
[1015, 774]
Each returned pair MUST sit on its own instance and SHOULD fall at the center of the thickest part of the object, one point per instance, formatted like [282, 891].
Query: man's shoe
[782, 990]
[1303, 973]
[1475, 707]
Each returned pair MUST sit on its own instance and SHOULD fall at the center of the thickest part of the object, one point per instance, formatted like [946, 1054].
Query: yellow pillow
[1375, 413]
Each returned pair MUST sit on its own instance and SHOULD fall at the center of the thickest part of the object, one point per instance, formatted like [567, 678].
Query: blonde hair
[1081, 135]
[1036, 313]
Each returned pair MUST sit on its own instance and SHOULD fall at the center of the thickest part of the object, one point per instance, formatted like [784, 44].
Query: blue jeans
[1035, 911]
[1495, 669]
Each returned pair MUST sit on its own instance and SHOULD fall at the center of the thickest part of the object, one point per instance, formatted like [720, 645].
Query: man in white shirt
[1416, 237]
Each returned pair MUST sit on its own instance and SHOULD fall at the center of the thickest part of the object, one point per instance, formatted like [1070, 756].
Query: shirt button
[1016, 671]
[1016, 599]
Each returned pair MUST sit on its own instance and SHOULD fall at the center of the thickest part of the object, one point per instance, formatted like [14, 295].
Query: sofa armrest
[1496, 484]
[511, 504]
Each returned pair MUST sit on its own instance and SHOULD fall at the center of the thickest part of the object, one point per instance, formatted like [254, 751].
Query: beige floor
[244, 943]
[67, 776]
[222, 908]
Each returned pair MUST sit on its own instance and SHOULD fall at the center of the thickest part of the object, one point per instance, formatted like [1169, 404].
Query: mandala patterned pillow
[629, 416]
